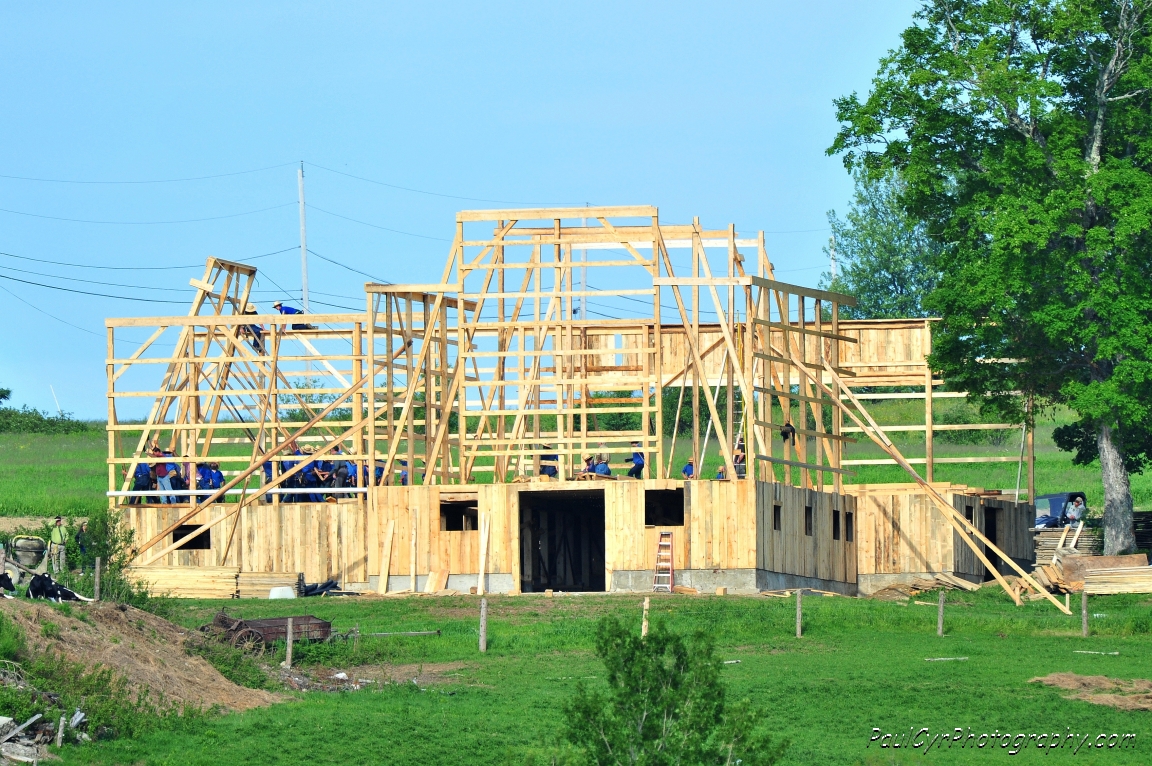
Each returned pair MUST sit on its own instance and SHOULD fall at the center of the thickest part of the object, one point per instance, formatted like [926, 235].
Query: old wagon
[253, 636]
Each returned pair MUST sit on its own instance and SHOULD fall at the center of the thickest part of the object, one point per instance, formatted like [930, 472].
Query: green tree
[1022, 131]
[665, 705]
[884, 256]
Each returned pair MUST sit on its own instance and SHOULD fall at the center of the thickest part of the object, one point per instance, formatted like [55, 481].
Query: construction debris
[1075, 568]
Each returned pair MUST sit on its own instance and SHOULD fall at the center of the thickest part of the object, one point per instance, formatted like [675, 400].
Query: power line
[343, 266]
[145, 223]
[157, 181]
[95, 282]
[135, 268]
[430, 194]
[374, 226]
[45, 313]
[85, 292]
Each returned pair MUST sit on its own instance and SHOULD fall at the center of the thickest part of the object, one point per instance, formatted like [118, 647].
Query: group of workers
[318, 481]
[167, 476]
[255, 332]
[597, 463]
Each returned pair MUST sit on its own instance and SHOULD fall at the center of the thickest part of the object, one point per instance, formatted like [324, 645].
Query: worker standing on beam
[290, 310]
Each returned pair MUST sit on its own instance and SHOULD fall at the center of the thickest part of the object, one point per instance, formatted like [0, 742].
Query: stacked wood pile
[187, 582]
[1089, 543]
[257, 584]
[1069, 572]
[1142, 521]
[1051, 577]
[1119, 580]
[941, 580]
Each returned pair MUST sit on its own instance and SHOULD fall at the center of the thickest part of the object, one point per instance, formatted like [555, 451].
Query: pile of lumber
[1069, 572]
[1089, 542]
[1142, 523]
[1119, 580]
[187, 582]
[257, 584]
[952, 581]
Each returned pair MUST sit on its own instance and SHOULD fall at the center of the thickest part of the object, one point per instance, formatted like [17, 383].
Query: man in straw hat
[289, 310]
[689, 470]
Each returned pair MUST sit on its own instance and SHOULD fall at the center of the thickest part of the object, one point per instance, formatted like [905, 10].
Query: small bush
[665, 705]
[49, 629]
[29, 421]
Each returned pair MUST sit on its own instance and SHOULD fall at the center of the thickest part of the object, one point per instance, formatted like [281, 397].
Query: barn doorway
[990, 533]
[562, 541]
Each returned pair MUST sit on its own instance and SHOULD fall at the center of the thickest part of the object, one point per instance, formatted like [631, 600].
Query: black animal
[788, 432]
[43, 586]
[6, 582]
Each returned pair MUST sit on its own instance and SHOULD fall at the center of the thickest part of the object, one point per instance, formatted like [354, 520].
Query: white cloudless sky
[716, 110]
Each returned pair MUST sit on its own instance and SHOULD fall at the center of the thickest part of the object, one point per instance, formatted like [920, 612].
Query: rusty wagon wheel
[249, 641]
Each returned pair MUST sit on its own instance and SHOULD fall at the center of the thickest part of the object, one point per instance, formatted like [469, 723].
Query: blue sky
[717, 111]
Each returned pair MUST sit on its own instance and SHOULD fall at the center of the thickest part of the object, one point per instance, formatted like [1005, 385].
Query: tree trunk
[1118, 534]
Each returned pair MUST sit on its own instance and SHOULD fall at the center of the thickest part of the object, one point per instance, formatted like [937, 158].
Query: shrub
[665, 705]
[29, 421]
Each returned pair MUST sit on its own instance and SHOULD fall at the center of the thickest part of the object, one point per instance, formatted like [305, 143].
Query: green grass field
[48, 475]
[861, 664]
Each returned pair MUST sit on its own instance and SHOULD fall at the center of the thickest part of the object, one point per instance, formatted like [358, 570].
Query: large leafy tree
[884, 255]
[1022, 129]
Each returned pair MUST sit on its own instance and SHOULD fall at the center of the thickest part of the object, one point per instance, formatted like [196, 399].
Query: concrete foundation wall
[737, 581]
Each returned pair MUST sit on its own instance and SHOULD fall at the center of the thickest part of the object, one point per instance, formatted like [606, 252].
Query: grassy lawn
[861, 664]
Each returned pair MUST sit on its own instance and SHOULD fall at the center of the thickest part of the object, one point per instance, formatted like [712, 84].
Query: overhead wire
[155, 181]
[51, 316]
[93, 281]
[86, 292]
[349, 268]
[375, 226]
[137, 268]
[145, 223]
[429, 193]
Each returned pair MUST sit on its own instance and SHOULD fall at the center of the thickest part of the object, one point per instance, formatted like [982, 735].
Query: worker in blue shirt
[403, 472]
[602, 467]
[141, 482]
[289, 310]
[721, 473]
[203, 480]
[217, 476]
[637, 469]
[549, 463]
[689, 470]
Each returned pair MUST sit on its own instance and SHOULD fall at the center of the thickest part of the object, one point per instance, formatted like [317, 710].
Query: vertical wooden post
[940, 616]
[929, 470]
[412, 556]
[644, 623]
[1031, 446]
[483, 625]
[96, 587]
[1084, 614]
[288, 652]
[485, 527]
[60, 732]
[799, 612]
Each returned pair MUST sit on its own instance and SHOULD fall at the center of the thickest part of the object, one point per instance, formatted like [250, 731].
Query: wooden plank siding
[899, 531]
[789, 550]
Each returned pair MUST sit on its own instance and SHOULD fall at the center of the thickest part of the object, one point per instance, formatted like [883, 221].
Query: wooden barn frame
[470, 386]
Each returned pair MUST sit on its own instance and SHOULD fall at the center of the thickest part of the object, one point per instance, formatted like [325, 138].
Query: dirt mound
[142, 647]
[1102, 690]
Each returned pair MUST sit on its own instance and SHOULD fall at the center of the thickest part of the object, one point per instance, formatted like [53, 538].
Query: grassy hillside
[861, 664]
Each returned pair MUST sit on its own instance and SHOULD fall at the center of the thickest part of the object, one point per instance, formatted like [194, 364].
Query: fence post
[940, 616]
[799, 612]
[1084, 614]
[288, 653]
[483, 625]
[96, 590]
[644, 624]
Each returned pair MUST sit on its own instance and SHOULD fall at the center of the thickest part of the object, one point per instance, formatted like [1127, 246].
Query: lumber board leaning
[386, 556]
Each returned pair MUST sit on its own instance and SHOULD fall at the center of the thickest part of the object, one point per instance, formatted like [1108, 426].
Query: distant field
[48, 475]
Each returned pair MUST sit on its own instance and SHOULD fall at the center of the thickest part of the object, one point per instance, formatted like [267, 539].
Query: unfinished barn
[447, 436]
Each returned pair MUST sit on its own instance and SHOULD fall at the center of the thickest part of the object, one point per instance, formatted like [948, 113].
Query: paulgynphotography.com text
[924, 739]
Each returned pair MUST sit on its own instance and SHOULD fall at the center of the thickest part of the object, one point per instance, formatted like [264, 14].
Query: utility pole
[303, 240]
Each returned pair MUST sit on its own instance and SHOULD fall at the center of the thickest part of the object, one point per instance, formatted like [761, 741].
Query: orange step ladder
[663, 578]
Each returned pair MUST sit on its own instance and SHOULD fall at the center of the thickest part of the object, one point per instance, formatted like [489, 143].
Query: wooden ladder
[663, 578]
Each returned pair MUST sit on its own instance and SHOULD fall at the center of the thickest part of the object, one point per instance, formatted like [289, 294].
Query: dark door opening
[990, 533]
[562, 541]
